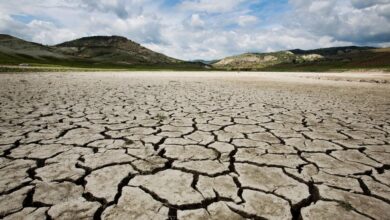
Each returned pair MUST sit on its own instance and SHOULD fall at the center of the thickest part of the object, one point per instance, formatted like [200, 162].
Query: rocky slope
[97, 51]
[261, 60]
[112, 49]
[312, 60]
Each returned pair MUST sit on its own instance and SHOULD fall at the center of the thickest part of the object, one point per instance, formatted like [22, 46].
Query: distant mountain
[332, 51]
[325, 59]
[208, 62]
[89, 52]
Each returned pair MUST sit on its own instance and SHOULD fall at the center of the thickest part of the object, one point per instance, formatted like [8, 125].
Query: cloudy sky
[203, 29]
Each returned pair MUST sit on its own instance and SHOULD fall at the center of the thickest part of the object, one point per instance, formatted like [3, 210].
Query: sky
[203, 29]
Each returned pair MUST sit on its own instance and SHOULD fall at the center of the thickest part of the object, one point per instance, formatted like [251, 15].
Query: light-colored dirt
[175, 145]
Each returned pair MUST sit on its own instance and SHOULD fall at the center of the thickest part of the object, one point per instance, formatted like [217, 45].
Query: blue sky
[203, 29]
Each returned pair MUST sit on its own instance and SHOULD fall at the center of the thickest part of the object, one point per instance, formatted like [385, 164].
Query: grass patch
[346, 206]
[129, 142]
[161, 117]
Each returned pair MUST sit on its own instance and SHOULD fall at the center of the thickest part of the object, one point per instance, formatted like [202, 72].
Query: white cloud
[122, 8]
[47, 33]
[36, 30]
[342, 20]
[212, 6]
[116, 6]
[196, 21]
[360, 4]
[46, 28]
[205, 44]
[247, 20]
[143, 28]
[384, 10]
[205, 29]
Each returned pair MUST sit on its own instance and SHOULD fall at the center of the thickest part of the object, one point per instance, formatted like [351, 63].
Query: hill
[89, 52]
[115, 52]
[14, 51]
[260, 60]
[113, 49]
[325, 59]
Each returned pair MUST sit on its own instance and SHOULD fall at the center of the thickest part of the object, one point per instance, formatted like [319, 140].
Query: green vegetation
[120, 54]
[346, 206]
[129, 142]
[85, 54]
[161, 117]
[321, 60]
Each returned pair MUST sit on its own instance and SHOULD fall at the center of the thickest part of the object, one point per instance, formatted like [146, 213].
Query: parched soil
[174, 145]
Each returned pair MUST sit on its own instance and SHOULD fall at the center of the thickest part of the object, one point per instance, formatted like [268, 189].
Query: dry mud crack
[192, 146]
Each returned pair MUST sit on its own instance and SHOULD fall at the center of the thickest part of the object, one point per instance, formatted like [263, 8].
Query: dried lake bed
[194, 145]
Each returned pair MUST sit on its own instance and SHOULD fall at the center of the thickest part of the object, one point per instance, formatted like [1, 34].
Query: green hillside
[99, 52]
[327, 59]
[119, 53]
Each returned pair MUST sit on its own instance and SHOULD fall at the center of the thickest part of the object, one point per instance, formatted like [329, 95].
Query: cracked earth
[192, 146]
